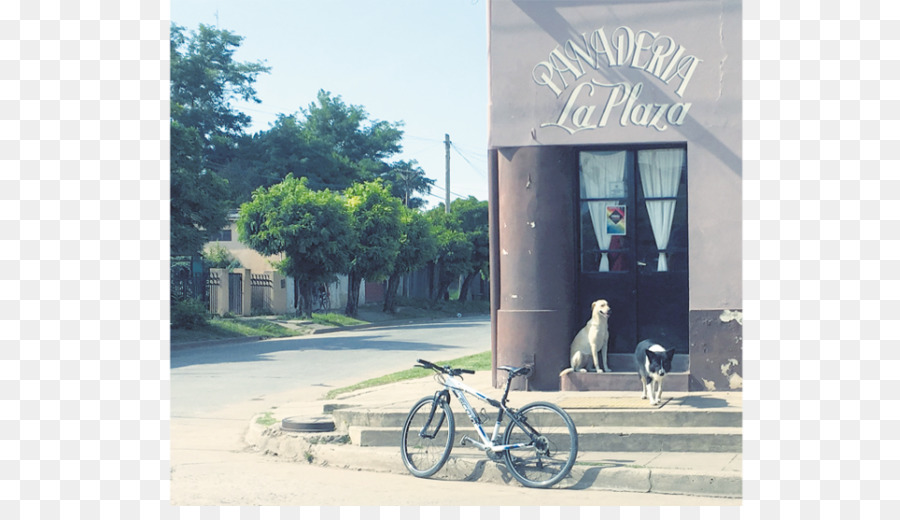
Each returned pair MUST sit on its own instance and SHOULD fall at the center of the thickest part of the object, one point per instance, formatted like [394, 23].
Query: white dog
[591, 343]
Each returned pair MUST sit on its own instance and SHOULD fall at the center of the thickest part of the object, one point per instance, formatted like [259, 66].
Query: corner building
[615, 173]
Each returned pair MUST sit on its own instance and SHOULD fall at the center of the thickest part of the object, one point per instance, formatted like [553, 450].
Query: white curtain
[660, 175]
[602, 176]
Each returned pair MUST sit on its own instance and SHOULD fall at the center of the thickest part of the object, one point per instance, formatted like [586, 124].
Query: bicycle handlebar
[446, 369]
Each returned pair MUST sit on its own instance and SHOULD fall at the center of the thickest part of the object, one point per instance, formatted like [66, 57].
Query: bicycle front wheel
[426, 439]
[551, 445]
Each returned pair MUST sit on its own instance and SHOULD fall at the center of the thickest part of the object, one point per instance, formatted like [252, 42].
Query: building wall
[249, 258]
[568, 75]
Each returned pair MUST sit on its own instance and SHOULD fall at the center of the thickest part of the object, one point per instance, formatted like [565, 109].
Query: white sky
[423, 62]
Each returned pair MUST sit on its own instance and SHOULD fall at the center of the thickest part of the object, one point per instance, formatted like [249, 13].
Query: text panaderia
[591, 104]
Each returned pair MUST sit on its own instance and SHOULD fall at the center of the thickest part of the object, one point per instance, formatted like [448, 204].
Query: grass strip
[476, 362]
[336, 320]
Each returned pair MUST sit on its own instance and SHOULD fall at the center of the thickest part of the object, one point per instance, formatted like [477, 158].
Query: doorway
[633, 233]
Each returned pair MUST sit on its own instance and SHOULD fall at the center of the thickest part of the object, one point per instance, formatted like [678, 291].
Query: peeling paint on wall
[710, 385]
[737, 316]
[735, 381]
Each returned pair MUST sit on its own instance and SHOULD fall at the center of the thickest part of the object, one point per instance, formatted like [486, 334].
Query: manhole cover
[307, 424]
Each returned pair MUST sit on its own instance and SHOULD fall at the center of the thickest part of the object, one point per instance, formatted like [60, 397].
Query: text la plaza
[585, 107]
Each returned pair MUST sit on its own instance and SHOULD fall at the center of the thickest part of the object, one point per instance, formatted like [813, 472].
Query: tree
[375, 218]
[197, 207]
[454, 257]
[331, 143]
[418, 245]
[406, 179]
[472, 215]
[343, 147]
[205, 80]
[311, 228]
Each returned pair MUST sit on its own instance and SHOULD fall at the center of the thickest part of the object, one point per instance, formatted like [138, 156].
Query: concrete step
[674, 417]
[618, 381]
[599, 438]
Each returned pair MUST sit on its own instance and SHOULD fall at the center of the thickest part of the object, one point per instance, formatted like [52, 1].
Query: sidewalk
[639, 467]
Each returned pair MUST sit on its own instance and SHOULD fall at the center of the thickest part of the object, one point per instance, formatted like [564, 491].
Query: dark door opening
[235, 293]
[634, 243]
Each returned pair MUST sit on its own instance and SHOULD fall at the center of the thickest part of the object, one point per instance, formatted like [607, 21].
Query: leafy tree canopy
[205, 80]
[197, 207]
[312, 228]
[472, 215]
[406, 179]
[331, 143]
[375, 215]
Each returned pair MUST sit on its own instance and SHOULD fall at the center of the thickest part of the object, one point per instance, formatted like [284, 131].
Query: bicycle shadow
[589, 476]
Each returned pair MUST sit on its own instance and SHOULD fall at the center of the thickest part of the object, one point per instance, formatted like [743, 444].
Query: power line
[468, 161]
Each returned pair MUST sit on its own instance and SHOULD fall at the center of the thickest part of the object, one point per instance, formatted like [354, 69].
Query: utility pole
[447, 163]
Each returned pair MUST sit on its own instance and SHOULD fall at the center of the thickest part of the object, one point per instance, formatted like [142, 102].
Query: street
[208, 378]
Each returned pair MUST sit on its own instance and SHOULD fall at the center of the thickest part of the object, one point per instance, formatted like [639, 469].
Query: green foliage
[418, 242]
[405, 179]
[476, 362]
[312, 228]
[266, 419]
[331, 143]
[205, 80]
[455, 252]
[336, 320]
[375, 218]
[472, 215]
[188, 314]
[197, 208]
[217, 257]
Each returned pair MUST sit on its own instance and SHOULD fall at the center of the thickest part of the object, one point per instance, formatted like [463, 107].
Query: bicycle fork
[438, 396]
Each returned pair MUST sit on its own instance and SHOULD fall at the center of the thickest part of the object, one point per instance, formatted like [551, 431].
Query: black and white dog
[652, 362]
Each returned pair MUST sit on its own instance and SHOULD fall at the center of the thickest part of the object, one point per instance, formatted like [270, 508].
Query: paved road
[207, 378]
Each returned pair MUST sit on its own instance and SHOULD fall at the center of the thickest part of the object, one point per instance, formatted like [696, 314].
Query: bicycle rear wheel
[547, 457]
[425, 446]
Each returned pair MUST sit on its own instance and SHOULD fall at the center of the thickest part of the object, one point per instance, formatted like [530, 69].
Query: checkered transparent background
[84, 429]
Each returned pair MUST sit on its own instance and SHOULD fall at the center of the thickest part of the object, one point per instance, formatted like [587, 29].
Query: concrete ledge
[690, 483]
[651, 417]
[602, 439]
[618, 381]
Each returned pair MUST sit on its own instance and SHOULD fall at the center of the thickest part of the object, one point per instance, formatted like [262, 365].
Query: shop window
[633, 210]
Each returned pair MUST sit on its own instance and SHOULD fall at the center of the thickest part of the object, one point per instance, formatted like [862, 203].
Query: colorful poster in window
[615, 220]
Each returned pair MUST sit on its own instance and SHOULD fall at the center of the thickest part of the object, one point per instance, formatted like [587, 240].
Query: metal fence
[186, 284]
[261, 293]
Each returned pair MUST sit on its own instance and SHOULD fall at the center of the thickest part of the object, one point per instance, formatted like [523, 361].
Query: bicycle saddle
[517, 371]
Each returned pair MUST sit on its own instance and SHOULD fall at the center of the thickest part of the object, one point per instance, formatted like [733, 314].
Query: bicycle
[323, 298]
[539, 445]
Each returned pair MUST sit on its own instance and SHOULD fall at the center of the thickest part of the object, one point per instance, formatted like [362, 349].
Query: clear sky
[423, 62]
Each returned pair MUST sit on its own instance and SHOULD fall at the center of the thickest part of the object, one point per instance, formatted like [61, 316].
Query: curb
[325, 330]
[181, 345]
[372, 325]
[335, 450]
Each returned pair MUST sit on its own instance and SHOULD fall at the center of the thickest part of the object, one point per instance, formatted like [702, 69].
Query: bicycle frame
[460, 389]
